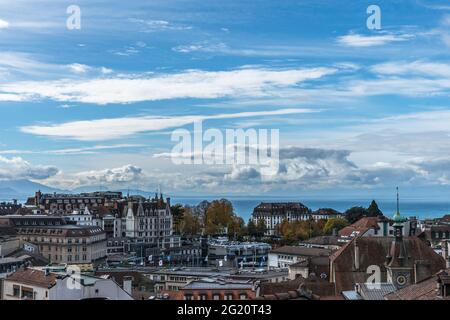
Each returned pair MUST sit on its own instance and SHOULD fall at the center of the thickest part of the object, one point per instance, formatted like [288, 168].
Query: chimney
[445, 253]
[168, 201]
[445, 250]
[422, 270]
[127, 284]
[356, 254]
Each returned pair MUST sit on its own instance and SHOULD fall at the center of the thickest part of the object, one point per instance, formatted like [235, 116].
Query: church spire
[397, 255]
[399, 271]
[398, 203]
[398, 219]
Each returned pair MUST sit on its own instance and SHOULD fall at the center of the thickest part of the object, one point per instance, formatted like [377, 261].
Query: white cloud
[160, 25]
[17, 168]
[78, 68]
[124, 174]
[104, 129]
[74, 151]
[358, 40]
[426, 68]
[189, 84]
[20, 65]
[4, 24]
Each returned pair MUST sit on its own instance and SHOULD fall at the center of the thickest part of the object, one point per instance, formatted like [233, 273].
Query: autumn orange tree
[300, 230]
[190, 224]
[220, 217]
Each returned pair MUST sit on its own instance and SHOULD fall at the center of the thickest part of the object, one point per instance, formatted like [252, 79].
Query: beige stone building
[58, 241]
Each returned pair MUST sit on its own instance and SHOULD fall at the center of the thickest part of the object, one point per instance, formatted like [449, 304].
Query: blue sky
[358, 110]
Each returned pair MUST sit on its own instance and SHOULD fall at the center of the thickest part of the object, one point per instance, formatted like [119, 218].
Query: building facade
[274, 214]
[35, 284]
[285, 256]
[58, 241]
[237, 254]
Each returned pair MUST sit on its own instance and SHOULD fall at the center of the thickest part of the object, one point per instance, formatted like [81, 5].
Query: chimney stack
[445, 250]
[356, 254]
[445, 254]
[127, 284]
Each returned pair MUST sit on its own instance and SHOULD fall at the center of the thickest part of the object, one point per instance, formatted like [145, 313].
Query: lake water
[421, 209]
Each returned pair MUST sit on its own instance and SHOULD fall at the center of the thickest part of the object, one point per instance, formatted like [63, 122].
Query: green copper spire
[397, 216]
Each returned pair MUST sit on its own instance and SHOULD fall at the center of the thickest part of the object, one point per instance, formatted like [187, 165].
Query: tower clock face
[401, 279]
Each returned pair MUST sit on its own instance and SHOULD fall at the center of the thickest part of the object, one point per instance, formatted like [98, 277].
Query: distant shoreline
[243, 205]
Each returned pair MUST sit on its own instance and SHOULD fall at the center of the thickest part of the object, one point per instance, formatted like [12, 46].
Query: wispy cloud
[105, 129]
[160, 25]
[358, 40]
[421, 67]
[189, 84]
[19, 64]
[436, 5]
[75, 151]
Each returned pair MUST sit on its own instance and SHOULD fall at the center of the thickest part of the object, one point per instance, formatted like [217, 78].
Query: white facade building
[274, 214]
[81, 217]
[149, 222]
[285, 256]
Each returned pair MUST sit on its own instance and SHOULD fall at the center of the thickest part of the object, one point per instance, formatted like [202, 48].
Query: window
[202, 297]
[216, 296]
[228, 296]
[16, 291]
[243, 296]
[187, 297]
[27, 293]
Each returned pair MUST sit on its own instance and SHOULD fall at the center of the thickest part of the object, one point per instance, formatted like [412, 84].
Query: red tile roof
[373, 251]
[425, 290]
[361, 226]
[33, 277]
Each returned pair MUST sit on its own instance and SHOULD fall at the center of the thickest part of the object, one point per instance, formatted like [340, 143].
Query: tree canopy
[355, 213]
[373, 210]
[334, 223]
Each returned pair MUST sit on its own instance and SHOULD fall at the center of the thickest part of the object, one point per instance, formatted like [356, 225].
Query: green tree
[334, 223]
[261, 228]
[373, 210]
[251, 228]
